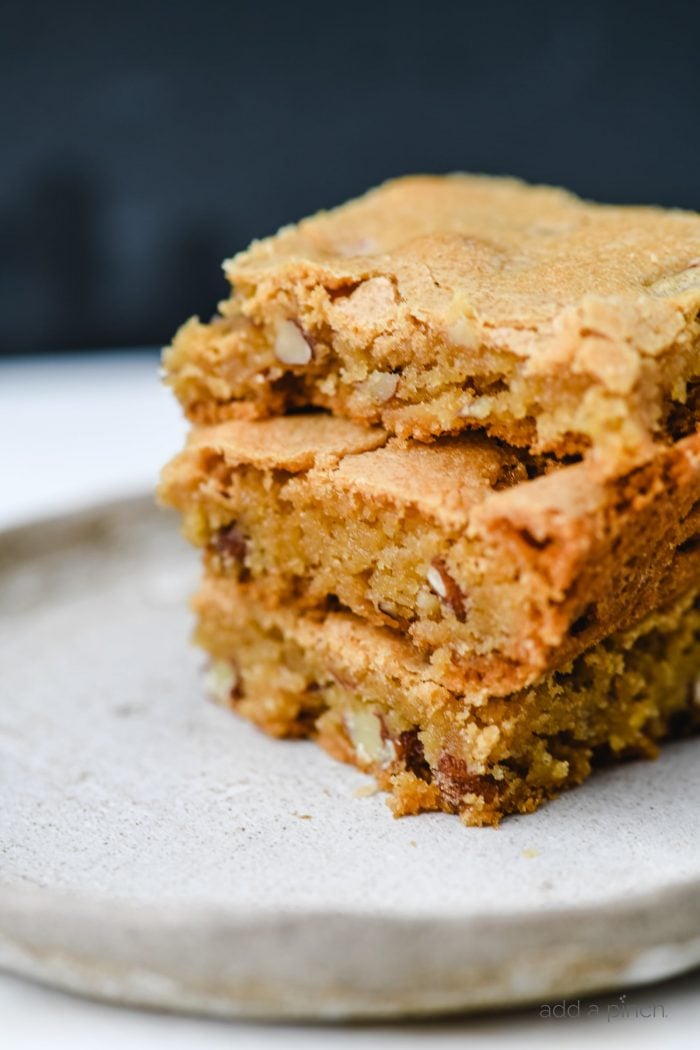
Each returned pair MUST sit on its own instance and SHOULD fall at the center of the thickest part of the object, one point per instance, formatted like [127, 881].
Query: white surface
[84, 461]
[80, 429]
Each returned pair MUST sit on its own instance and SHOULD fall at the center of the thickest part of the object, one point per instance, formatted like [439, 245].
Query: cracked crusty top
[506, 252]
[289, 443]
[439, 304]
[454, 481]
[444, 480]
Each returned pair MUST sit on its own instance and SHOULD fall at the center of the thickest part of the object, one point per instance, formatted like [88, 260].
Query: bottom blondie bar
[363, 694]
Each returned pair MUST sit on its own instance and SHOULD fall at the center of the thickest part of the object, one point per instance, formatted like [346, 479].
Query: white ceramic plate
[156, 850]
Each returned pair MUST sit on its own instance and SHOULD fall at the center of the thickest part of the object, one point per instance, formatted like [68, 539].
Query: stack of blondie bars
[445, 470]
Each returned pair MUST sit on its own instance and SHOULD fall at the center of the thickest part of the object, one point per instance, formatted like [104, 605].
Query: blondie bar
[435, 304]
[363, 694]
[494, 565]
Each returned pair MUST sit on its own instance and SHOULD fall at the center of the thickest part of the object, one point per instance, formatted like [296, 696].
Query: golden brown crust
[495, 577]
[518, 254]
[435, 304]
[291, 443]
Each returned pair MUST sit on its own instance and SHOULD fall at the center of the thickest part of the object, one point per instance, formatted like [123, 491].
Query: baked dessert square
[364, 695]
[494, 566]
[445, 472]
[436, 304]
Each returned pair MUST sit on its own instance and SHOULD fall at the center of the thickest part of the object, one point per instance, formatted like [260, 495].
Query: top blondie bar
[434, 304]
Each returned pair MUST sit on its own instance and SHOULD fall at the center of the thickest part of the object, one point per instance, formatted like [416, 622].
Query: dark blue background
[144, 142]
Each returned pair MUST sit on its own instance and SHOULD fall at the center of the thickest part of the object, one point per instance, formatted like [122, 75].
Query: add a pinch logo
[618, 1010]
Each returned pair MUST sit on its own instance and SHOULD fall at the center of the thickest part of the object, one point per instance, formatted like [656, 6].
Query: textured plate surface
[156, 850]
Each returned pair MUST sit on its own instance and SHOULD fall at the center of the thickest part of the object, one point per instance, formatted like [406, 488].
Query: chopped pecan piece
[446, 588]
[291, 348]
[455, 781]
[230, 543]
[509, 474]
[409, 750]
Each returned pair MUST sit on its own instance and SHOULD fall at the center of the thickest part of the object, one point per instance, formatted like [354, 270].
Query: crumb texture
[365, 696]
[497, 568]
[439, 303]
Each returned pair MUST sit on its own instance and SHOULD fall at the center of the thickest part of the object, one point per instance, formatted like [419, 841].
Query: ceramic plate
[156, 850]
